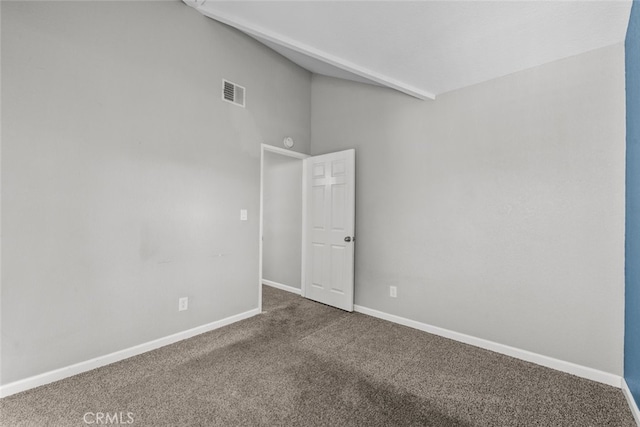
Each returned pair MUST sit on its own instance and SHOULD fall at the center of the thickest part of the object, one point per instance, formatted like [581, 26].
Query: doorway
[281, 218]
[307, 225]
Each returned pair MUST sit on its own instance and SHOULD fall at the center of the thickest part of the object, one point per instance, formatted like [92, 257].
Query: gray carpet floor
[305, 364]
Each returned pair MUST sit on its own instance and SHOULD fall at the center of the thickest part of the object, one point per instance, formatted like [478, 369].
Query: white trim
[312, 52]
[87, 365]
[260, 232]
[288, 153]
[284, 151]
[281, 286]
[303, 252]
[631, 401]
[549, 362]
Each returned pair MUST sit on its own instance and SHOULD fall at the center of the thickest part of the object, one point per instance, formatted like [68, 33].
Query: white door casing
[329, 229]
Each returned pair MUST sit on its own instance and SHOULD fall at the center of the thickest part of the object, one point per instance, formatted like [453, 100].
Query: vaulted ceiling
[424, 48]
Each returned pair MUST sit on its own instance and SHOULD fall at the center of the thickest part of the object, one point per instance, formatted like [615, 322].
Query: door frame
[301, 157]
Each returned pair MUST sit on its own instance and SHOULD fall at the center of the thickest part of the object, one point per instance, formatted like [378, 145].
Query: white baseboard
[68, 371]
[631, 401]
[549, 362]
[281, 286]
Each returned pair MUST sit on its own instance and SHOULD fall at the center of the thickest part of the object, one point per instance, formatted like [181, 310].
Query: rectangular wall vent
[233, 93]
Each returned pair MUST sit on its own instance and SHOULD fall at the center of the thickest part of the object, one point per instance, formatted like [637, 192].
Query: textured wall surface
[632, 254]
[123, 174]
[498, 209]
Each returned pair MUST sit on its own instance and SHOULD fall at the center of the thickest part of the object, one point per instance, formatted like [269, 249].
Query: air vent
[233, 93]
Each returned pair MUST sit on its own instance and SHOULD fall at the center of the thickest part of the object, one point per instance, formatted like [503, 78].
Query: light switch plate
[243, 214]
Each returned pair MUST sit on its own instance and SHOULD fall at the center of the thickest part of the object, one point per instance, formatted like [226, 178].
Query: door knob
[347, 239]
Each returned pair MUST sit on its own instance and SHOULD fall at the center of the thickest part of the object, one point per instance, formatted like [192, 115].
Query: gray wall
[123, 174]
[498, 209]
[282, 222]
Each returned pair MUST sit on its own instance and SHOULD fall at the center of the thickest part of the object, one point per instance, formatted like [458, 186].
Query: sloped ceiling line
[316, 54]
[428, 47]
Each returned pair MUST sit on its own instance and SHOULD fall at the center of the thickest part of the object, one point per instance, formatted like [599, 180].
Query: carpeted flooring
[305, 364]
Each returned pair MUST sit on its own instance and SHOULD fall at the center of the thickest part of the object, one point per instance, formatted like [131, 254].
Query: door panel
[330, 218]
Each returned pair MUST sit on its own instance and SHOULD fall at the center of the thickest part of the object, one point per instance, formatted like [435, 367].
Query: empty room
[320, 213]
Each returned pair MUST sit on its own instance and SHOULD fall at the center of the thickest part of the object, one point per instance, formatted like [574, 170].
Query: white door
[330, 225]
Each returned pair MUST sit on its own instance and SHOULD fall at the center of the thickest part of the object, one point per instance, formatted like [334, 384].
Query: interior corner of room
[139, 208]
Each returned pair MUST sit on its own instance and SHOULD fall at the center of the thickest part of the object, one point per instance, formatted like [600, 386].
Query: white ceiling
[424, 48]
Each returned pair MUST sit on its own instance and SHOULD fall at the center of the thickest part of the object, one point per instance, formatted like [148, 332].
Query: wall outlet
[243, 215]
[393, 291]
[183, 304]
